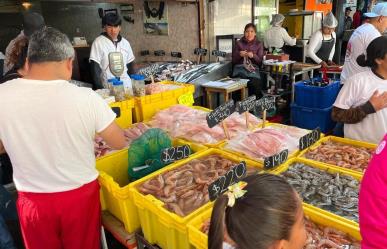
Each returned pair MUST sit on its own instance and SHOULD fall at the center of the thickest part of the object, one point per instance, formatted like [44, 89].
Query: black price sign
[176, 54]
[144, 52]
[265, 103]
[218, 53]
[169, 155]
[246, 104]
[221, 185]
[309, 139]
[200, 51]
[159, 53]
[220, 113]
[275, 160]
[117, 111]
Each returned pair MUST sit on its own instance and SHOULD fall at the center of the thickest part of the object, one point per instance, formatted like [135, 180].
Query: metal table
[294, 70]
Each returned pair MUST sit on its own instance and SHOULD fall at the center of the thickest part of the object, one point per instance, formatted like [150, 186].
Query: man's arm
[130, 67]
[96, 72]
[2, 149]
[113, 135]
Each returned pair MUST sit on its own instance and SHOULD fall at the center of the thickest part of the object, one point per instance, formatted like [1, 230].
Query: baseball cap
[32, 22]
[379, 9]
[111, 19]
[348, 9]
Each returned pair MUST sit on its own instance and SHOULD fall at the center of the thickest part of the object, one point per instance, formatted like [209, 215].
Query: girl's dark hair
[18, 54]
[376, 50]
[264, 215]
[251, 25]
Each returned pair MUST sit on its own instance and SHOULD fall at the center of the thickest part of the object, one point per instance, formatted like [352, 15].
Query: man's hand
[331, 63]
[378, 101]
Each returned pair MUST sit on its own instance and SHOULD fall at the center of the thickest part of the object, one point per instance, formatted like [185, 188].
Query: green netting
[144, 153]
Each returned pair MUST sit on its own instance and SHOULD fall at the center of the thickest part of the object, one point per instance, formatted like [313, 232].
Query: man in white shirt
[276, 37]
[32, 21]
[47, 128]
[111, 41]
[361, 38]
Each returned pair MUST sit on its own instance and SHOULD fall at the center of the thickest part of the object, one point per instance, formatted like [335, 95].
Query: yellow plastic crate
[115, 185]
[126, 110]
[291, 155]
[199, 240]
[146, 106]
[328, 169]
[339, 140]
[164, 228]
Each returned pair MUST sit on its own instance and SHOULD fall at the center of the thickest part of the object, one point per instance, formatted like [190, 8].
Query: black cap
[111, 19]
[32, 22]
[348, 9]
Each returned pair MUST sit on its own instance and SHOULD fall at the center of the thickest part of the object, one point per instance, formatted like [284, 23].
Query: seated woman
[361, 104]
[257, 217]
[321, 47]
[247, 57]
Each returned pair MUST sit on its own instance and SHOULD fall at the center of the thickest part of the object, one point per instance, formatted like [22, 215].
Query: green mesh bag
[144, 153]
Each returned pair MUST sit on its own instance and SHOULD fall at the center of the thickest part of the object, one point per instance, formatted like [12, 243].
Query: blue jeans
[7, 212]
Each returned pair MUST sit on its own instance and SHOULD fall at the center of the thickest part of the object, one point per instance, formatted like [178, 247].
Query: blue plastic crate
[311, 118]
[314, 96]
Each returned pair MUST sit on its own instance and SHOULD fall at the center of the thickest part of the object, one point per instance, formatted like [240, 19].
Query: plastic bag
[144, 154]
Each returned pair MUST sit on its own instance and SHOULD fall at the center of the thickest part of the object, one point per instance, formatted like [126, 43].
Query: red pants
[63, 220]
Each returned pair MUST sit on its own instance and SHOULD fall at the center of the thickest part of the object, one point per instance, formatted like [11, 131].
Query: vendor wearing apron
[108, 42]
[321, 47]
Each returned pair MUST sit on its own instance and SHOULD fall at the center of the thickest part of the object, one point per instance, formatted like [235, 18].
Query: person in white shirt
[361, 104]
[276, 36]
[361, 38]
[32, 21]
[321, 47]
[47, 128]
[110, 41]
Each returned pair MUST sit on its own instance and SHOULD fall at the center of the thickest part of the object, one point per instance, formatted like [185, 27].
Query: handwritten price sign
[172, 154]
[221, 185]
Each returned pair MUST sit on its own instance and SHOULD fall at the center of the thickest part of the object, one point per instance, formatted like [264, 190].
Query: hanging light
[26, 5]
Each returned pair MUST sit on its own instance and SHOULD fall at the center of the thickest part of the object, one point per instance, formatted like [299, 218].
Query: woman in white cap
[276, 36]
[321, 46]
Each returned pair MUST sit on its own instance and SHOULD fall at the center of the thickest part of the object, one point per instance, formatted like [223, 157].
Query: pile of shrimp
[343, 155]
[320, 237]
[185, 189]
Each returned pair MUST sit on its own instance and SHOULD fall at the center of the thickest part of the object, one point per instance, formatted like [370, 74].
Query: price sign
[218, 53]
[246, 104]
[265, 103]
[169, 155]
[159, 53]
[220, 113]
[234, 175]
[144, 52]
[117, 111]
[176, 54]
[277, 159]
[309, 139]
[186, 99]
[200, 51]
